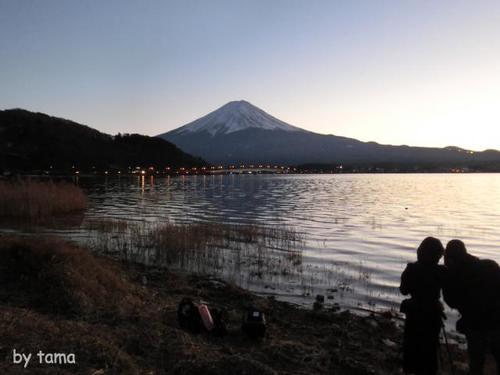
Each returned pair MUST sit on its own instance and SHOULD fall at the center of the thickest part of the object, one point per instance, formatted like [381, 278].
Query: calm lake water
[359, 230]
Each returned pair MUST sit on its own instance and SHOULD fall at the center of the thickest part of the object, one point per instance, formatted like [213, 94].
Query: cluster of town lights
[251, 168]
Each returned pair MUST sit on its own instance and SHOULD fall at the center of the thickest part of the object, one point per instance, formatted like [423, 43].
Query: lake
[359, 230]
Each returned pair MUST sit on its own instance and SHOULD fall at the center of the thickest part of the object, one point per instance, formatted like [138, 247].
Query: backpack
[188, 316]
[254, 323]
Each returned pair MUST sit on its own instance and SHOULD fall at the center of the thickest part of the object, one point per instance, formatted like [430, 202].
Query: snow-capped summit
[235, 116]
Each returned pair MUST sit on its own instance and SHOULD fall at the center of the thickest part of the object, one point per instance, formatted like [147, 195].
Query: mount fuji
[233, 117]
[239, 132]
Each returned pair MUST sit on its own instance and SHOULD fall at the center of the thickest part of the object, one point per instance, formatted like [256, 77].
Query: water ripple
[365, 228]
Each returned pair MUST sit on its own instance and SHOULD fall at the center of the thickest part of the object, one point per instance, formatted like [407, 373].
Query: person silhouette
[472, 287]
[423, 280]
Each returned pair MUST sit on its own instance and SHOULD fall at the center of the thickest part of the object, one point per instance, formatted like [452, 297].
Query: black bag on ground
[188, 316]
[254, 323]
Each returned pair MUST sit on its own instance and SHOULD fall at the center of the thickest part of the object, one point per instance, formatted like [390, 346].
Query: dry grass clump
[239, 233]
[53, 276]
[95, 347]
[200, 246]
[221, 244]
[196, 234]
[59, 298]
[37, 199]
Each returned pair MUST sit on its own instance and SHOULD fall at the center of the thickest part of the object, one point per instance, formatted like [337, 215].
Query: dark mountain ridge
[35, 141]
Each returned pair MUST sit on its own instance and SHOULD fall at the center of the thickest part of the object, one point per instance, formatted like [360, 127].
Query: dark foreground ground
[121, 319]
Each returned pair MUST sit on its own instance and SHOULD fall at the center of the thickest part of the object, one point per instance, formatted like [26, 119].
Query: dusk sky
[399, 72]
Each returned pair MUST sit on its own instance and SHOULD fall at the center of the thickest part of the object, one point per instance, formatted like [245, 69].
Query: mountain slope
[35, 141]
[239, 132]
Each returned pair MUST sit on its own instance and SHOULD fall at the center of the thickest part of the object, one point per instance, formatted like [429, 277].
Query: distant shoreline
[7, 176]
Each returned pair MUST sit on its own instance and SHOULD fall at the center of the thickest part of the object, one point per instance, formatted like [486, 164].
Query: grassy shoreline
[120, 318]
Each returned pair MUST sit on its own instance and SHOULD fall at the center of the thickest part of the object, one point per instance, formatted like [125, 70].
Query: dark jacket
[423, 282]
[473, 288]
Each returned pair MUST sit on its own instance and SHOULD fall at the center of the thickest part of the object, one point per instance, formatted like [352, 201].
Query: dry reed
[36, 199]
[210, 247]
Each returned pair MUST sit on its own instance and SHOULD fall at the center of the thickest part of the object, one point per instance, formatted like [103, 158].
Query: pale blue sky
[400, 72]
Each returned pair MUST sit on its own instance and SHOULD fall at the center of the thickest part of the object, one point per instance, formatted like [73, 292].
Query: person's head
[455, 254]
[430, 251]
